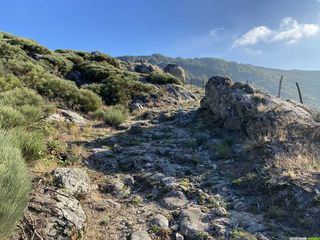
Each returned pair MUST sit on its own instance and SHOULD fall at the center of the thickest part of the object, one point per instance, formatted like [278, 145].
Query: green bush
[20, 97]
[9, 82]
[71, 95]
[15, 185]
[114, 115]
[32, 144]
[57, 64]
[10, 117]
[163, 78]
[27, 44]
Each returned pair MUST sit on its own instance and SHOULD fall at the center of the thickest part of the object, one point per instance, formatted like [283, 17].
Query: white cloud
[214, 32]
[290, 32]
[254, 36]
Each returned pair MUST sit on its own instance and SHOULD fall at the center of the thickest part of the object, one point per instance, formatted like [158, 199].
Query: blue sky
[272, 33]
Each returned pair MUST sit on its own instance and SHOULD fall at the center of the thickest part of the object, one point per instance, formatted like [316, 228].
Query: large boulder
[176, 71]
[258, 115]
[145, 68]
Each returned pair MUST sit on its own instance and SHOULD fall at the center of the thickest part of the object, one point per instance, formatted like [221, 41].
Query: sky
[272, 33]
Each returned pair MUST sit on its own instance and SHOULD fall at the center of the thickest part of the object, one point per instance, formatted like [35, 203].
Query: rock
[146, 68]
[116, 187]
[106, 204]
[251, 223]
[193, 222]
[219, 211]
[159, 221]
[135, 107]
[179, 236]
[174, 200]
[129, 180]
[176, 71]
[58, 215]
[56, 117]
[258, 115]
[140, 235]
[136, 130]
[179, 93]
[72, 180]
[240, 206]
[74, 117]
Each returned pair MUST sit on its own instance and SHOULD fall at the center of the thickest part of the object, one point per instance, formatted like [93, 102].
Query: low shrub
[32, 144]
[113, 115]
[10, 117]
[20, 97]
[57, 64]
[15, 185]
[9, 82]
[163, 78]
[72, 96]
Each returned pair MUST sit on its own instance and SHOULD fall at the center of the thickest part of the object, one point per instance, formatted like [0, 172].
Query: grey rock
[61, 215]
[140, 235]
[72, 180]
[74, 117]
[240, 206]
[259, 115]
[251, 223]
[179, 93]
[136, 130]
[219, 211]
[179, 236]
[106, 204]
[176, 70]
[175, 200]
[159, 221]
[146, 68]
[129, 180]
[192, 222]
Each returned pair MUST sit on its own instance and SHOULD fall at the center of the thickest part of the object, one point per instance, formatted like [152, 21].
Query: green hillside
[265, 78]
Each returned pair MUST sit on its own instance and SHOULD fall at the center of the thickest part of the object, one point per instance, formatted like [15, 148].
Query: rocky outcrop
[176, 71]
[258, 115]
[143, 67]
[53, 214]
[67, 116]
[72, 180]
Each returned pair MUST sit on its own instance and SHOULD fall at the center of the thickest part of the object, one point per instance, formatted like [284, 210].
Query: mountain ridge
[264, 77]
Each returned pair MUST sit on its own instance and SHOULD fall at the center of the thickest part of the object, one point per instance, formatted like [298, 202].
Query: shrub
[15, 185]
[20, 97]
[57, 64]
[163, 78]
[73, 97]
[27, 44]
[32, 144]
[10, 117]
[114, 115]
[9, 82]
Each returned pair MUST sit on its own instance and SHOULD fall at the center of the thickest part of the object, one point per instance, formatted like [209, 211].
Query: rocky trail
[171, 172]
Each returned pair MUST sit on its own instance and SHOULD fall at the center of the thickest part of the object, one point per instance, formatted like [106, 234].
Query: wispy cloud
[290, 32]
[215, 31]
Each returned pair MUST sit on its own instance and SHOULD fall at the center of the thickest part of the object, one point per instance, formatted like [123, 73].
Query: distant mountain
[264, 78]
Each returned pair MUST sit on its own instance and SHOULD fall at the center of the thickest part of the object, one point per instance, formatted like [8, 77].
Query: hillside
[94, 147]
[264, 78]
